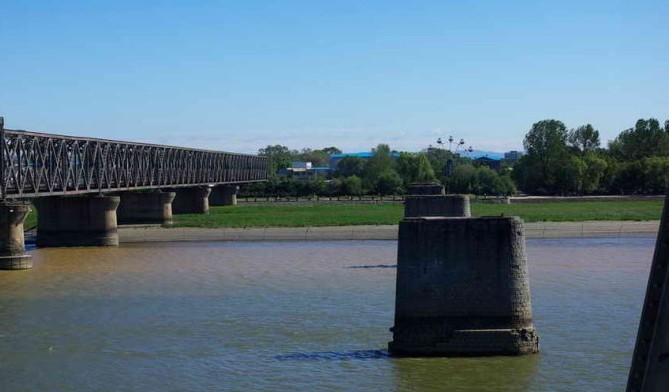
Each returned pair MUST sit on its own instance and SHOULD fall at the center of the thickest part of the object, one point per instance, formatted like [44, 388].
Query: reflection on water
[296, 316]
[465, 374]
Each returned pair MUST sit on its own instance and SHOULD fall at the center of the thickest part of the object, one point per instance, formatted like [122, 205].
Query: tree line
[387, 172]
[557, 161]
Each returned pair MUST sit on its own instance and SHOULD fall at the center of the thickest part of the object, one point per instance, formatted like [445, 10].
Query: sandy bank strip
[129, 234]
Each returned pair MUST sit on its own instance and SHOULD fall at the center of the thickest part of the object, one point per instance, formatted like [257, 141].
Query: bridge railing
[39, 164]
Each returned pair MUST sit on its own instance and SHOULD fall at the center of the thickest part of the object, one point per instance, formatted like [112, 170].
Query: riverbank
[136, 234]
[318, 215]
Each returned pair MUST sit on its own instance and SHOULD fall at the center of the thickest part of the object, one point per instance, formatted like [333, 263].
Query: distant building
[300, 165]
[512, 156]
[305, 171]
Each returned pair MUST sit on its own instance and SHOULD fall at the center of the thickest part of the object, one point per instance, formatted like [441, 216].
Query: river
[296, 316]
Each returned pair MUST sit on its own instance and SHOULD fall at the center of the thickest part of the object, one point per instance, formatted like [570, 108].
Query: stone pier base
[12, 245]
[191, 200]
[436, 205]
[225, 195]
[425, 188]
[462, 288]
[145, 207]
[77, 221]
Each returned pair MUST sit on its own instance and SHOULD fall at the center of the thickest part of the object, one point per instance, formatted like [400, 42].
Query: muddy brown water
[292, 316]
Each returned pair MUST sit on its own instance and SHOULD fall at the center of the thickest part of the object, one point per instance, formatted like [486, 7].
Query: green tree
[487, 181]
[546, 146]
[331, 150]
[528, 174]
[655, 174]
[316, 157]
[279, 157]
[353, 185]
[438, 158]
[646, 139]
[350, 166]
[382, 150]
[424, 171]
[584, 139]
[316, 186]
[381, 163]
[570, 174]
[414, 168]
[595, 172]
[464, 179]
[336, 186]
[507, 185]
[407, 166]
[389, 183]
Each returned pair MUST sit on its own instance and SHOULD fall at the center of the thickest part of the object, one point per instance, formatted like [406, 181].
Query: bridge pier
[77, 221]
[191, 200]
[462, 288]
[224, 195]
[145, 207]
[430, 199]
[437, 205]
[12, 244]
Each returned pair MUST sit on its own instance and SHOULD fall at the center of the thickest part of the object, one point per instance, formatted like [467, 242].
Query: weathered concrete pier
[462, 288]
[77, 221]
[430, 199]
[462, 283]
[12, 247]
[145, 208]
[191, 200]
[225, 195]
[437, 205]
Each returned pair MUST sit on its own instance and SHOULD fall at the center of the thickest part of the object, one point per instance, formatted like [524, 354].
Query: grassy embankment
[388, 214]
[384, 214]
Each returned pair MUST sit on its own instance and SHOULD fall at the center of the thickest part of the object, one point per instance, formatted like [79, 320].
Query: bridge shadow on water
[335, 355]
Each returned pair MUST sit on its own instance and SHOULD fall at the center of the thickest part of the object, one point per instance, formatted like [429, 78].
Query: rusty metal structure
[40, 164]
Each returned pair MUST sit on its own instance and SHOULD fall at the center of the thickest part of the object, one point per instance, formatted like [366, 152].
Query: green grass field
[384, 214]
[388, 214]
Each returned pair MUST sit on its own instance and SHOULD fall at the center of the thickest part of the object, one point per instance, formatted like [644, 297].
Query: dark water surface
[294, 317]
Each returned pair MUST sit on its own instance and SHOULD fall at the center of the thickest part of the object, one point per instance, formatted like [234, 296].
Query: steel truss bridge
[40, 164]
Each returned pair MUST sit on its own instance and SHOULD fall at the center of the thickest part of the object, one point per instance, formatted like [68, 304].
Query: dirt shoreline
[138, 234]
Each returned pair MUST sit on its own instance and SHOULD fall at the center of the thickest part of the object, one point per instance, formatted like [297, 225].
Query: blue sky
[238, 75]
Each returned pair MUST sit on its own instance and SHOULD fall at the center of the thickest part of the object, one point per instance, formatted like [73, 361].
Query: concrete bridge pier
[462, 288]
[145, 207]
[225, 195]
[437, 205]
[430, 199]
[77, 221]
[12, 245]
[191, 200]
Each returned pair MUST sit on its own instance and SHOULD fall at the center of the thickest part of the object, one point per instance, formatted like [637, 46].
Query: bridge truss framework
[40, 164]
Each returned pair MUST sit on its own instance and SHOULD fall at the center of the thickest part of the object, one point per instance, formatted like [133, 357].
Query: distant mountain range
[480, 153]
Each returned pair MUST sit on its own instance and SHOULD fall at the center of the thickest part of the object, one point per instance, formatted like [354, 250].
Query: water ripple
[334, 355]
[373, 266]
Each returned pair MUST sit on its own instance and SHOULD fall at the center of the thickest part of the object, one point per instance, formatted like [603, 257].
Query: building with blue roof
[334, 159]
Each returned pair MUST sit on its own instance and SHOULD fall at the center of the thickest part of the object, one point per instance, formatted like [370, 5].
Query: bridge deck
[40, 164]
